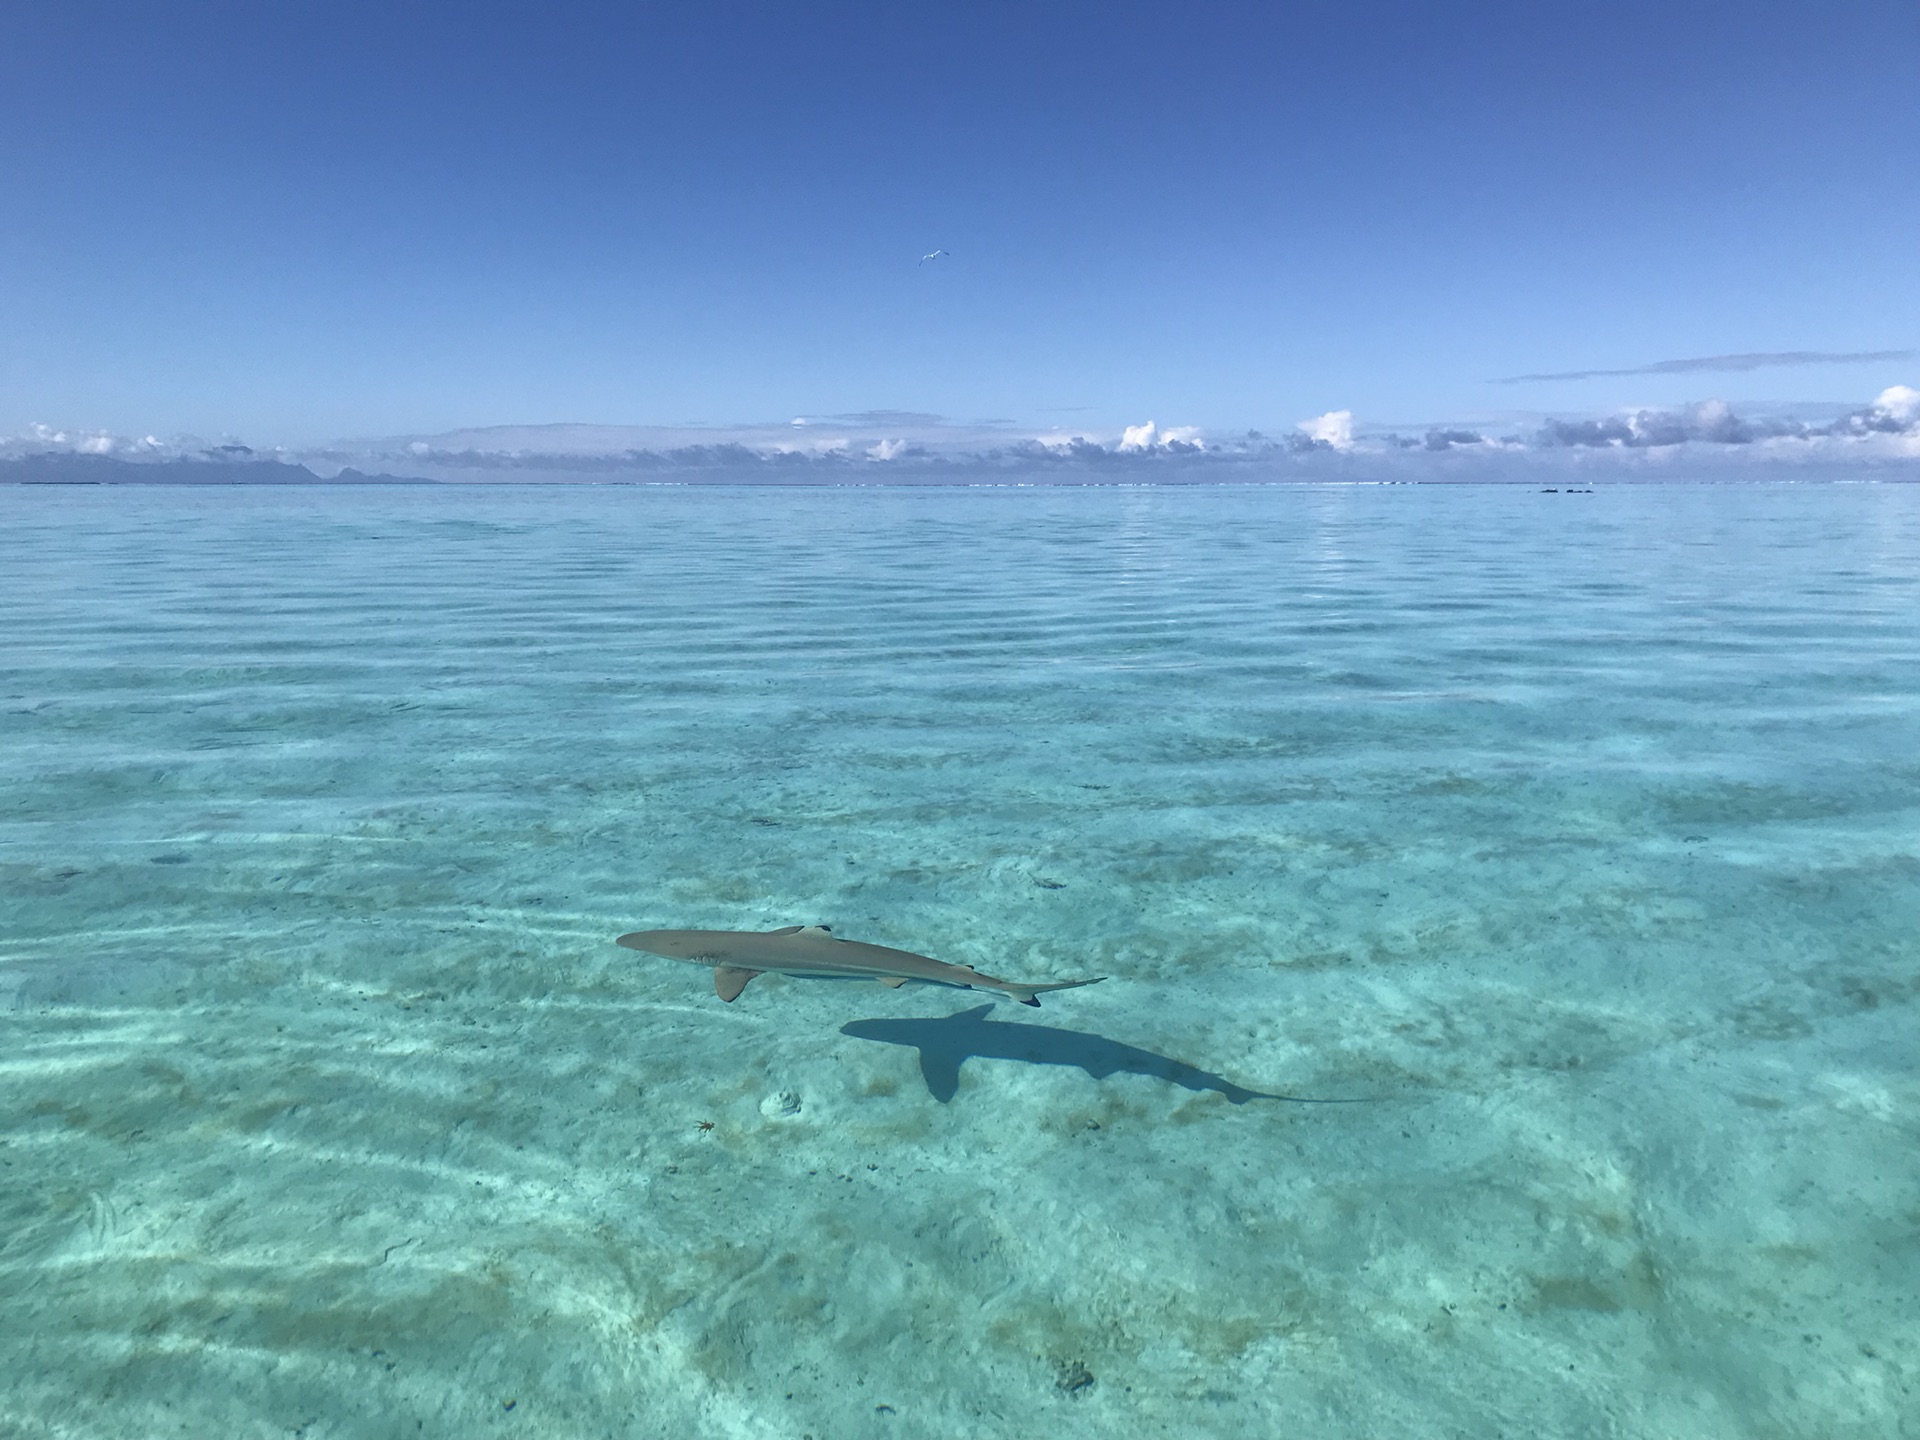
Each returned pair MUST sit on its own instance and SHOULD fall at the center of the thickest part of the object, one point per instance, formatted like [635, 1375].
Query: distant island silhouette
[230, 465]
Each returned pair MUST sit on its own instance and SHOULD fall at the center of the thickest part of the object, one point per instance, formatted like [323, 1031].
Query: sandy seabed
[1573, 839]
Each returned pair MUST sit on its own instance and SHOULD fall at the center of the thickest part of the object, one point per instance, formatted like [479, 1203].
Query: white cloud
[1136, 439]
[1900, 403]
[1751, 361]
[1334, 428]
[1883, 436]
[45, 439]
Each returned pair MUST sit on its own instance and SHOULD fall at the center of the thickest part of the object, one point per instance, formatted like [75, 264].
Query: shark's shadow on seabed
[946, 1044]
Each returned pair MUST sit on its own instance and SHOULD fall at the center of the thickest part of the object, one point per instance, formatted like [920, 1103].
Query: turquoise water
[1575, 837]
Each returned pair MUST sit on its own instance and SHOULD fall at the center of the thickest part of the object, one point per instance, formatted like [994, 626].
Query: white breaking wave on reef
[882, 446]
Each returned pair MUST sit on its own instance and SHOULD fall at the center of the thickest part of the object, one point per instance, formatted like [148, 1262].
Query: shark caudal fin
[1026, 994]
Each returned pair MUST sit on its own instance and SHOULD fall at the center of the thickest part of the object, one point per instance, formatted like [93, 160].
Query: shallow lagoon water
[1573, 836]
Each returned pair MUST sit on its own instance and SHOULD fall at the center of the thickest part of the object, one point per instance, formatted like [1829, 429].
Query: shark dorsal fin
[787, 930]
[813, 929]
[729, 981]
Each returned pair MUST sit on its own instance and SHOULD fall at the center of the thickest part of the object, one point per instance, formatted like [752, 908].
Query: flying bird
[809, 950]
[934, 256]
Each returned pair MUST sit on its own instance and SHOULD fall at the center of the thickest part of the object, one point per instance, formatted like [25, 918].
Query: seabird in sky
[934, 256]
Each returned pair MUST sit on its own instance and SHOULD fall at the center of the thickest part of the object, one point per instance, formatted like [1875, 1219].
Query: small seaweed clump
[1073, 1378]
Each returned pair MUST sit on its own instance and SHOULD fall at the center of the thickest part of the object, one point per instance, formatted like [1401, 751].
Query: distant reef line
[1090, 466]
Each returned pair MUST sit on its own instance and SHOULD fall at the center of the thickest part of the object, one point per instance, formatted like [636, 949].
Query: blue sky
[291, 222]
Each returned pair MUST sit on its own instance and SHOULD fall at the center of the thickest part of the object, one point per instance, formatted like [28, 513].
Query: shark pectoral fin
[728, 981]
[893, 982]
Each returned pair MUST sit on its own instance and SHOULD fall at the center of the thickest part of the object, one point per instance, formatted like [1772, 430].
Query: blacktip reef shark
[814, 951]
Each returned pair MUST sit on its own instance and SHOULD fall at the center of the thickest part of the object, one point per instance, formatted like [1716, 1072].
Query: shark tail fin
[1027, 994]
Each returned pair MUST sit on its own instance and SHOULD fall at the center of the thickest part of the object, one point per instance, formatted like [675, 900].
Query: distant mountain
[55, 467]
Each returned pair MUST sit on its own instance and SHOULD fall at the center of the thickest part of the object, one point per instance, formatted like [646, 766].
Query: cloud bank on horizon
[877, 446]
